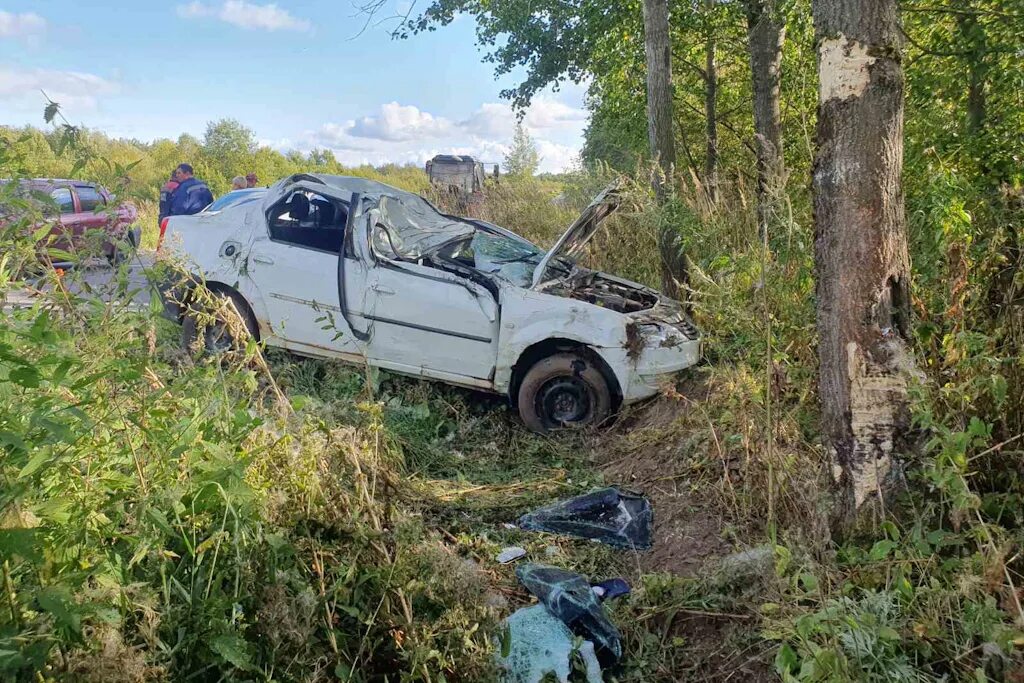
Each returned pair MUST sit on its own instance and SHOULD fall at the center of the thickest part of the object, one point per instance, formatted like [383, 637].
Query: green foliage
[522, 158]
[160, 518]
[136, 170]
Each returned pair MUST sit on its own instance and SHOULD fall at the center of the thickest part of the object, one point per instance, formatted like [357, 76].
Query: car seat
[298, 207]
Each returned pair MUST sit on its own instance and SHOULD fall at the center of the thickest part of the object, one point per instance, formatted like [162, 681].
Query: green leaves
[41, 459]
[20, 543]
[233, 650]
[881, 550]
[26, 376]
[58, 602]
[50, 111]
[786, 660]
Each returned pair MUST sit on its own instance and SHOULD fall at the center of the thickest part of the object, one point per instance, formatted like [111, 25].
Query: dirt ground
[646, 451]
[688, 531]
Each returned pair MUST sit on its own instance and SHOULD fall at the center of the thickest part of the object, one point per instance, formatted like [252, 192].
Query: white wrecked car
[352, 269]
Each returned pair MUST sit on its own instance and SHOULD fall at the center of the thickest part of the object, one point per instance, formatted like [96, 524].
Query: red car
[84, 218]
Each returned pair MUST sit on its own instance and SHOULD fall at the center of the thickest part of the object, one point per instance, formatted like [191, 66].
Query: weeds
[166, 515]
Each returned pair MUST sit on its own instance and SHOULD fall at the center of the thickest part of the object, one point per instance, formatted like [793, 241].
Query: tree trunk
[861, 257]
[711, 114]
[973, 36]
[658, 50]
[659, 87]
[766, 34]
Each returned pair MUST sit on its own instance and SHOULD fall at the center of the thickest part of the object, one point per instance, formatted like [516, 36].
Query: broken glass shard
[537, 643]
[510, 554]
[569, 597]
[610, 515]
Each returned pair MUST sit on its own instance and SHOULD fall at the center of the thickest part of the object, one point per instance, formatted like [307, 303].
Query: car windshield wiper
[525, 258]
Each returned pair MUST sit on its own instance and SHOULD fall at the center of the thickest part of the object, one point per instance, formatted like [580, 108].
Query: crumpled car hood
[582, 230]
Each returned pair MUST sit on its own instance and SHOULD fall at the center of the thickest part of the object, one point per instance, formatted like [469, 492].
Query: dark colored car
[82, 213]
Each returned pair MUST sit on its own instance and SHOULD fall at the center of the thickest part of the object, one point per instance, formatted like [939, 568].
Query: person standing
[238, 183]
[165, 196]
[251, 180]
[192, 195]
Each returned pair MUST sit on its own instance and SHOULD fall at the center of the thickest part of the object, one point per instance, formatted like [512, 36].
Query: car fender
[529, 317]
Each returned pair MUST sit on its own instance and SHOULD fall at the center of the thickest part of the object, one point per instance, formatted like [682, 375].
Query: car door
[297, 280]
[91, 214]
[431, 322]
[63, 231]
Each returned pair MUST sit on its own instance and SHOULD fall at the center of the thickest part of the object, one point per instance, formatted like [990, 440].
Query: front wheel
[563, 390]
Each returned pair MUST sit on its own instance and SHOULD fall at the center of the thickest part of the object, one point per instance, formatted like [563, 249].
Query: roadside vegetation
[264, 517]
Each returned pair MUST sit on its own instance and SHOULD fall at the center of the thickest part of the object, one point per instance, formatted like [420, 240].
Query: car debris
[610, 515]
[569, 596]
[510, 554]
[351, 269]
[541, 639]
[536, 643]
[610, 589]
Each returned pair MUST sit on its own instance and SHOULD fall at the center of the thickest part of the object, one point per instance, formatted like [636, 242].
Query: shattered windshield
[415, 227]
[512, 259]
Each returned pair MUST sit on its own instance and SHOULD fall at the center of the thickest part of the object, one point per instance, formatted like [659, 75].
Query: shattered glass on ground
[538, 643]
[569, 597]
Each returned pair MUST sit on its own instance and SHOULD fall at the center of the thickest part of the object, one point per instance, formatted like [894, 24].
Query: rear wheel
[565, 390]
[220, 326]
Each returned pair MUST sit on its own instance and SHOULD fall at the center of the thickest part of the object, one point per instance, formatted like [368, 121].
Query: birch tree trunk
[861, 258]
[658, 50]
[766, 34]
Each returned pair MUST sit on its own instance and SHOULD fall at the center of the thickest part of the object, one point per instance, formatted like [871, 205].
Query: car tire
[565, 390]
[116, 257]
[211, 332]
[122, 249]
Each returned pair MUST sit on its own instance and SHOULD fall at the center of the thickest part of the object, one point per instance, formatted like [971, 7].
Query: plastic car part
[354, 213]
[618, 518]
[610, 589]
[569, 597]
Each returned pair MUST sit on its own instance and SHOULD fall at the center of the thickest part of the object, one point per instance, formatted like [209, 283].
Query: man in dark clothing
[192, 195]
[165, 196]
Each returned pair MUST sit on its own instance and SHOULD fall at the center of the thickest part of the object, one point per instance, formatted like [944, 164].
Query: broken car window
[382, 244]
[511, 259]
[306, 219]
[415, 226]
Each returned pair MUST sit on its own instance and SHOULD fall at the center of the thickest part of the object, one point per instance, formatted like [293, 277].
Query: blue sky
[291, 70]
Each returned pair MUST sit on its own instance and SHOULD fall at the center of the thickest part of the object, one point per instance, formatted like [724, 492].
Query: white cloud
[491, 120]
[544, 114]
[194, 9]
[405, 134]
[72, 89]
[27, 26]
[247, 15]
[397, 122]
[555, 157]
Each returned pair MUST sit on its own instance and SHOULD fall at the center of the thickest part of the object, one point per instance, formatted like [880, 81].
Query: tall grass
[275, 518]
